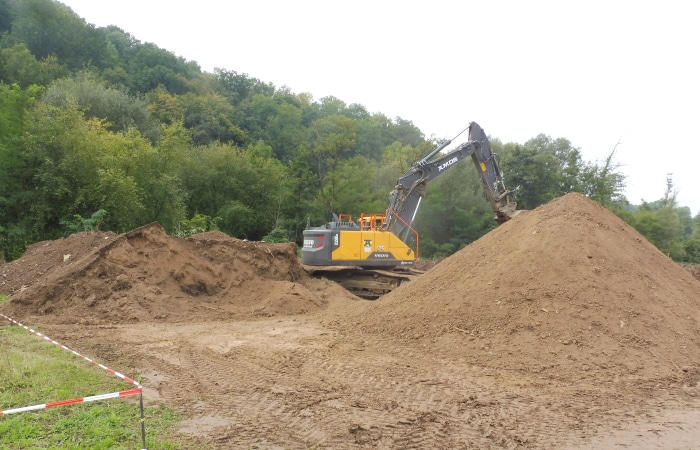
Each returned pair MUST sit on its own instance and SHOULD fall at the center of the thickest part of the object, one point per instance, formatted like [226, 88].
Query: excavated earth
[561, 329]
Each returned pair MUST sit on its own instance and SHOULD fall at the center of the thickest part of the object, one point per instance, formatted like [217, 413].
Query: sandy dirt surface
[561, 329]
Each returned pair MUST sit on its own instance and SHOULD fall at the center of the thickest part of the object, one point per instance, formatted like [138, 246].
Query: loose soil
[563, 328]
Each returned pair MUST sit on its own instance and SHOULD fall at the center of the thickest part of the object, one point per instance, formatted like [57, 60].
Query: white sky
[594, 72]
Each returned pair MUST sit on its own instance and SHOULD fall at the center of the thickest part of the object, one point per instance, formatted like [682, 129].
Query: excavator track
[369, 284]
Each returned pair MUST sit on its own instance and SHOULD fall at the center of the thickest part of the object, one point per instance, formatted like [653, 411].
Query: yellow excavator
[374, 254]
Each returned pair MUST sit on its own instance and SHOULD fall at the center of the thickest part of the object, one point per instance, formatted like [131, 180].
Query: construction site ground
[561, 329]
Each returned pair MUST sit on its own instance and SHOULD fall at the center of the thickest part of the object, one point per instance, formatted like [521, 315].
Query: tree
[543, 168]
[209, 118]
[671, 228]
[335, 135]
[670, 194]
[51, 28]
[123, 45]
[82, 167]
[121, 195]
[696, 227]
[286, 132]
[238, 87]
[661, 225]
[603, 184]
[405, 132]
[369, 142]
[692, 251]
[18, 65]
[16, 181]
[400, 157]
[117, 108]
[161, 177]
[149, 66]
[332, 106]
[241, 187]
[356, 190]
[8, 11]
[298, 205]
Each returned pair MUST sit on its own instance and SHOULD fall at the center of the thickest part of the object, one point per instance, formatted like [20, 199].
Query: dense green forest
[98, 129]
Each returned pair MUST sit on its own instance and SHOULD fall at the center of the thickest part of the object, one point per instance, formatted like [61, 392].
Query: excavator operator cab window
[371, 222]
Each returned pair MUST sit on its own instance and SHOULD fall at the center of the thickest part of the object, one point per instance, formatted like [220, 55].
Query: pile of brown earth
[146, 275]
[567, 290]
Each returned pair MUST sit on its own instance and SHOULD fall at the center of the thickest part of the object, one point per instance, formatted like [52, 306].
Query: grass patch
[4, 298]
[33, 372]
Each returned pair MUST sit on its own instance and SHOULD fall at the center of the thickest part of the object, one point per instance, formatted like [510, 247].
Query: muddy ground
[561, 329]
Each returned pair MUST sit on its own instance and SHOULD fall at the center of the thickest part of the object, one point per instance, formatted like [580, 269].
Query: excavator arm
[410, 188]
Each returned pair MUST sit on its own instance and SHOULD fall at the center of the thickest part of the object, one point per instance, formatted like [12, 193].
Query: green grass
[33, 371]
[3, 298]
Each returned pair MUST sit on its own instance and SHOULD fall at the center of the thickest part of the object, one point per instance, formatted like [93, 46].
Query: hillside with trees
[99, 129]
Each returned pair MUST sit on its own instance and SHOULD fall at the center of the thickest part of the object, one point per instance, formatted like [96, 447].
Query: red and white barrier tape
[93, 398]
[75, 400]
[46, 338]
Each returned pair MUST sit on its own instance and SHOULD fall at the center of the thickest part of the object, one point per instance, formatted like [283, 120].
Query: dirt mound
[147, 275]
[568, 289]
[42, 258]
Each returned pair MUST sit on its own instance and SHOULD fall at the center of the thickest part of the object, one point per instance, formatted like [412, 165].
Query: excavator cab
[372, 222]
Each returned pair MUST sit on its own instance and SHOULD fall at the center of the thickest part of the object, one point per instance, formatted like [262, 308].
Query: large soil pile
[568, 289]
[147, 275]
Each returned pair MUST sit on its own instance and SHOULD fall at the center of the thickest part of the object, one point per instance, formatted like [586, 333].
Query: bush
[277, 236]
[79, 224]
[692, 251]
[199, 223]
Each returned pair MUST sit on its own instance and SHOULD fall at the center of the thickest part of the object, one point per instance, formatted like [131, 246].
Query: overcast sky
[599, 73]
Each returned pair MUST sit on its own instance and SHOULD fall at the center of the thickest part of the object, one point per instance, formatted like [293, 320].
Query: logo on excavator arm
[444, 166]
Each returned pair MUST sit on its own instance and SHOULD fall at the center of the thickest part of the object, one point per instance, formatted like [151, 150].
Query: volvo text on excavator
[373, 254]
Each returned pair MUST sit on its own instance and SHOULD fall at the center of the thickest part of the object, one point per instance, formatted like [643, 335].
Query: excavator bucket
[507, 212]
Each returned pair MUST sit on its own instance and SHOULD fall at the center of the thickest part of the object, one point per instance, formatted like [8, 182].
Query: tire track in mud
[334, 392]
[360, 401]
[347, 410]
[416, 412]
[366, 402]
[229, 387]
[426, 405]
[465, 405]
[260, 414]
